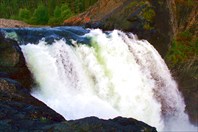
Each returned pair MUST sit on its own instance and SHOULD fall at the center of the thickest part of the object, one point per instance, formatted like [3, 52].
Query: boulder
[94, 124]
[19, 111]
[12, 62]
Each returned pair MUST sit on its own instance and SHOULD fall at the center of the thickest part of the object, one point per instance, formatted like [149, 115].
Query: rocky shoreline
[7, 23]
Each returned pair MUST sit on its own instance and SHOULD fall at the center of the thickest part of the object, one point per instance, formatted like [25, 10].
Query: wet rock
[94, 124]
[12, 62]
[187, 78]
[20, 111]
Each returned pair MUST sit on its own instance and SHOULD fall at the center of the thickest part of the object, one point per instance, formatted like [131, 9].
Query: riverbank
[8, 23]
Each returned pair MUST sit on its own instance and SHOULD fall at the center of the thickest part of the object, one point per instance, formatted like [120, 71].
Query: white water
[117, 76]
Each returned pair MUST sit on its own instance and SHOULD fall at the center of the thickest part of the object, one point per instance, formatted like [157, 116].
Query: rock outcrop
[94, 124]
[157, 21]
[19, 111]
[149, 19]
[96, 13]
[12, 62]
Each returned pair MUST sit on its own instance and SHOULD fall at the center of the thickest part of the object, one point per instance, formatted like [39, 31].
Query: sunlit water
[115, 75]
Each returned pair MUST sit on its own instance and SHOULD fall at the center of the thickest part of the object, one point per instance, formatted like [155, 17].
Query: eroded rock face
[95, 13]
[149, 19]
[186, 75]
[20, 111]
[12, 62]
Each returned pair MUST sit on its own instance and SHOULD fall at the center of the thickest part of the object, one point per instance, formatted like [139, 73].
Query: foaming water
[115, 75]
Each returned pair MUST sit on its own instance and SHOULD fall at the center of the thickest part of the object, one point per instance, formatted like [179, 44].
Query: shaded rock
[20, 111]
[186, 71]
[187, 78]
[12, 62]
[94, 124]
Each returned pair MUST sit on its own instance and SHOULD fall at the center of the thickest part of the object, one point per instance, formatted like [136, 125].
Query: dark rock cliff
[12, 62]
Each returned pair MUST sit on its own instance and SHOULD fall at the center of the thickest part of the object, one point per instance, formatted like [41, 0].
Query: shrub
[183, 48]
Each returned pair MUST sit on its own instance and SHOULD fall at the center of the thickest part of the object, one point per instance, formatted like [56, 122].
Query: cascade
[105, 74]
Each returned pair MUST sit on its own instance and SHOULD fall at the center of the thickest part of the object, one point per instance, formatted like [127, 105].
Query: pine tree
[40, 15]
[65, 12]
[51, 7]
[24, 14]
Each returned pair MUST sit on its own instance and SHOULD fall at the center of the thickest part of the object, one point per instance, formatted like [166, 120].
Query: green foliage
[77, 6]
[57, 12]
[65, 12]
[24, 14]
[51, 6]
[149, 14]
[53, 11]
[56, 19]
[183, 49]
[40, 15]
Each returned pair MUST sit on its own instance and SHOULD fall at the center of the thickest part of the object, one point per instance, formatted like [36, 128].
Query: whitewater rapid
[115, 75]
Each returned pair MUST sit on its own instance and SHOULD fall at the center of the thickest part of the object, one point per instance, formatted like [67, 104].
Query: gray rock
[20, 111]
[12, 62]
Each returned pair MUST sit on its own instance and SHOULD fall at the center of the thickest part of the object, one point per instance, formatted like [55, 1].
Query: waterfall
[114, 75]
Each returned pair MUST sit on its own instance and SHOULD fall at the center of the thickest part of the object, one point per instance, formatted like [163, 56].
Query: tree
[56, 19]
[65, 12]
[40, 15]
[57, 12]
[77, 6]
[24, 14]
[51, 7]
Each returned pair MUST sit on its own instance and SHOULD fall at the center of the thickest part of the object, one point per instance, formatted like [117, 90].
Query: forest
[43, 12]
